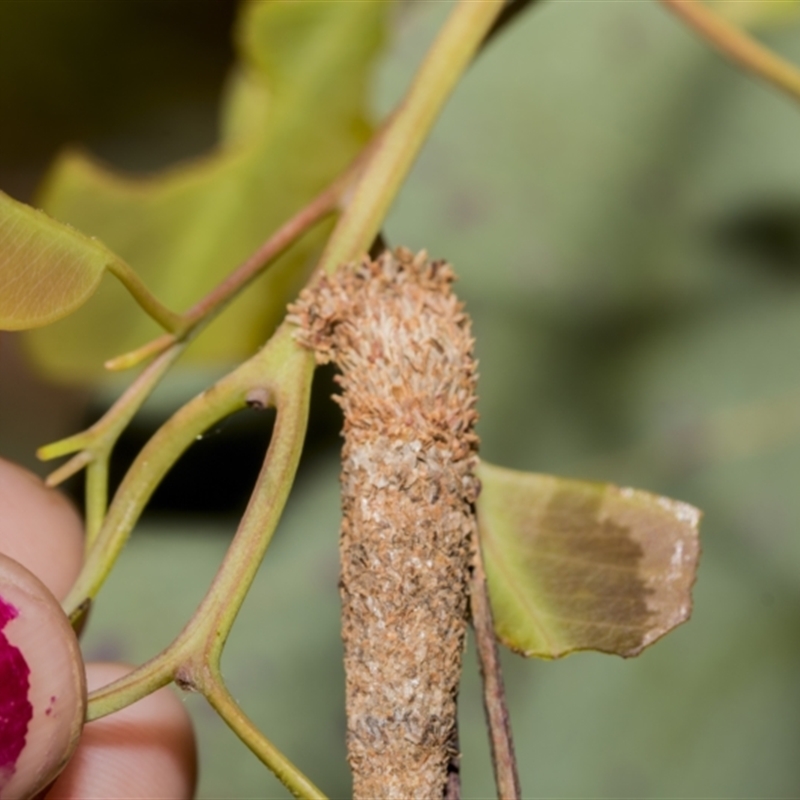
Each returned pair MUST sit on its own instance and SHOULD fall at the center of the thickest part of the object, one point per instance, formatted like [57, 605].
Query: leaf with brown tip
[574, 565]
[47, 269]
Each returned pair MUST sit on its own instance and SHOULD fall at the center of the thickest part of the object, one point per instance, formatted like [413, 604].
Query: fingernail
[42, 684]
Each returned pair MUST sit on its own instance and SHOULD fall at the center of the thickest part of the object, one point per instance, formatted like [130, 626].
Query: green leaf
[574, 565]
[292, 119]
[47, 269]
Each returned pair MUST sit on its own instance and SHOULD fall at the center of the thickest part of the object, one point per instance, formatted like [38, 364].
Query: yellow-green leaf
[574, 565]
[47, 269]
[293, 118]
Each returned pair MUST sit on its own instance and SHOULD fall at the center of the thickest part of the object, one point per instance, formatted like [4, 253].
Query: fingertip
[42, 684]
[146, 750]
[39, 528]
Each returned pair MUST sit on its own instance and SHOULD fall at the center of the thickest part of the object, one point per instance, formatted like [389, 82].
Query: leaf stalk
[296, 782]
[96, 443]
[504, 761]
[737, 45]
[322, 206]
[193, 659]
[167, 319]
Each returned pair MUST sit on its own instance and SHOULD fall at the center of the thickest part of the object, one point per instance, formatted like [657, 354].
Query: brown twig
[327, 202]
[738, 45]
[504, 761]
[323, 204]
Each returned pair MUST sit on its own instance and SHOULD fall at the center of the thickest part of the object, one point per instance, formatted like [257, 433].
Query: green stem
[167, 319]
[285, 373]
[97, 443]
[114, 421]
[221, 701]
[290, 372]
[96, 497]
[193, 658]
[147, 471]
[148, 350]
[74, 465]
[322, 206]
[448, 58]
[173, 664]
[265, 370]
[144, 680]
[738, 46]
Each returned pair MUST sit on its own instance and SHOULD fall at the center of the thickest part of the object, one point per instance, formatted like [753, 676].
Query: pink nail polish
[42, 684]
[16, 710]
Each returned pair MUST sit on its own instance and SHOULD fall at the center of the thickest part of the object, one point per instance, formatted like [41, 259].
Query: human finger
[42, 683]
[39, 528]
[146, 750]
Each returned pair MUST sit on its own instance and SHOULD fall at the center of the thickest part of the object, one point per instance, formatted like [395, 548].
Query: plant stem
[97, 443]
[114, 420]
[323, 205]
[96, 496]
[504, 761]
[152, 348]
[738, 45]
[280, 363]
[144, 680]
[394, 152]
[448, 58]
[290, 370]
[167, 319]
[177, 663]
[284, 372]
[221, 701]
[320, 207]
[73, 466]
[149, 468]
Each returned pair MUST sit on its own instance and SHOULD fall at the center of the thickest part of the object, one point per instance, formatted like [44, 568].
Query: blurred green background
[623, 209]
